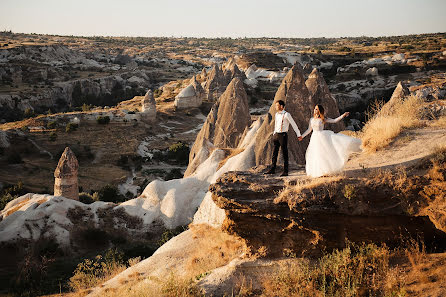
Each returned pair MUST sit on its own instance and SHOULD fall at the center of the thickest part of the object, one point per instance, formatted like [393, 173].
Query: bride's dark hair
[321, 112]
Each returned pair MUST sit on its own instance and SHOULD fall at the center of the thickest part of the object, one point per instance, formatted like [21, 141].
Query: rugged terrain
[216, 97]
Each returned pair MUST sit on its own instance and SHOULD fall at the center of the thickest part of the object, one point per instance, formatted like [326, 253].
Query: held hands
[346, 114]
[300, 138]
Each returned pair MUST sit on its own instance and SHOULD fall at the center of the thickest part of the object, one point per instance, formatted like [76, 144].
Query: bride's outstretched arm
[330, 120]
[308, 130]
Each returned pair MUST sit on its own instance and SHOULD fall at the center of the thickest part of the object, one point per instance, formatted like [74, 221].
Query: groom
[282, 120]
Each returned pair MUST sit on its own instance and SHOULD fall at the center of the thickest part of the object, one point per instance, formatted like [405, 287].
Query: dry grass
[293, 192]
[217, 248]
[214, 248]
[357, 270]
[91, 273]
[383, 127]
[440, 122]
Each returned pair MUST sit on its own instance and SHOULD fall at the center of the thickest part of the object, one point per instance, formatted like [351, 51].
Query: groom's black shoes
[271, 171]
[285, 173]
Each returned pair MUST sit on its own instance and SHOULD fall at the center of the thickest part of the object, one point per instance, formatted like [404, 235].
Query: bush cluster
[103, 120]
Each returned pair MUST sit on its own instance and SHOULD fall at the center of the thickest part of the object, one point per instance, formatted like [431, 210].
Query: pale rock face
[48, 214]
[66, 182]
[191, 96]
[224, 125]
[320, 94]
[372, 71]
[149, 107]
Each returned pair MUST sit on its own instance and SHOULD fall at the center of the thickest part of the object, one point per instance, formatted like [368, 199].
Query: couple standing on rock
[327, 151]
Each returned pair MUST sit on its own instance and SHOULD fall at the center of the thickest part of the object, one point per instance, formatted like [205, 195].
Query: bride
[328, 151]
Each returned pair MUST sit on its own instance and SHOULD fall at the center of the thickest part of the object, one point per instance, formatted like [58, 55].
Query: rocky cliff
[224, 125]
[321, 215]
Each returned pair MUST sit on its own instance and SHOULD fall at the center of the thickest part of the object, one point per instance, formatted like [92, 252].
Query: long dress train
[327, 151]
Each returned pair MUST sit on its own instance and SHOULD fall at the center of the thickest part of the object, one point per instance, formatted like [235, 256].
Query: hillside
[249, 192]
[176, 176]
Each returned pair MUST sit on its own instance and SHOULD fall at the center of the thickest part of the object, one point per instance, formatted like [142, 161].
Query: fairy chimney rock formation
[215, 83]
[401, 91]
[224, 125]
[66, 183]
[307, 69]
[231, 71]
[149, 106]
[203, 74]
[320, 94]
[298, 103]
[191, 96]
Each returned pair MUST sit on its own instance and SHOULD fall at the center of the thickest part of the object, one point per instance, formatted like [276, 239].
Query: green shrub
[28, 113]
[53, 136]
[70, 127]
[86, 107]
[92, 272]
[179, 152]
[87, 198]
[103, 120]
[169, 233]
[110, 193]
[51, 125]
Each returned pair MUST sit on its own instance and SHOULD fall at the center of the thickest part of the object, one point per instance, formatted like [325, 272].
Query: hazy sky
[234, 18]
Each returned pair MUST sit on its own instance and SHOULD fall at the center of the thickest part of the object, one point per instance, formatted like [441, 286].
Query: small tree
[103, 120]
[53, 136]
[28, 113]
[70, 127]
[109, 193]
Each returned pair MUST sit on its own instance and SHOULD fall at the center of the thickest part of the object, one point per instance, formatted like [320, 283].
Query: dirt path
[409, 147]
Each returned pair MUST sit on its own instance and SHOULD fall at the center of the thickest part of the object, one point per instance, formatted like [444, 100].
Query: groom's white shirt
[283, 120]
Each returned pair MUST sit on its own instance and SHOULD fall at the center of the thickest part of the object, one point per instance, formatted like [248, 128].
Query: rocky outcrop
[215, 83]
[66, 182]
[316, 217]
[231, 71]
[300, 105]
[320, 94]
[400, 92]
[148, 107]
[307, 69]
[203, 74]
[224, 125]
[191, 96]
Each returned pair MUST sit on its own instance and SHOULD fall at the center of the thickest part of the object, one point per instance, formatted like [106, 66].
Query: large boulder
[299, 104]
[224, 125]
[320, 94]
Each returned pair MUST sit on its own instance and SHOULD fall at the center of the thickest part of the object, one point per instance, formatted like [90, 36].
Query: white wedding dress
[327, 152]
